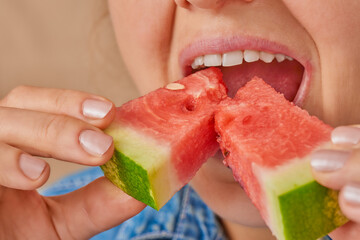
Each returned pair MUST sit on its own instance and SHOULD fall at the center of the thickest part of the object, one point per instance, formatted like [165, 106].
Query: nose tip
[204, 4]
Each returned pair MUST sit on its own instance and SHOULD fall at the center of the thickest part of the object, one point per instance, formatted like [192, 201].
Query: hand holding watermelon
[65, 125]
[339, 169]
[247, 127]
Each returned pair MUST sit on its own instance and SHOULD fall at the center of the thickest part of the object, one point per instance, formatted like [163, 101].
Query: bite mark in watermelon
[267, 141]
[161, 139]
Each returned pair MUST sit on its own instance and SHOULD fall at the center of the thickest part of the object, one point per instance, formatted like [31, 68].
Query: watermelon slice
[162, 138]
[266, 141]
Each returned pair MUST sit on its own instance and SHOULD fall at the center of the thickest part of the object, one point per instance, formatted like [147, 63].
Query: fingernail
[95, 143]
[96, 108]
[351, 193]
[345, 135]
[31, 166]
[329, 160]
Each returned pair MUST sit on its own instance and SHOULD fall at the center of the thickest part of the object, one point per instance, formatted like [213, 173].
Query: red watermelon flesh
[161, 139]
[266, 141]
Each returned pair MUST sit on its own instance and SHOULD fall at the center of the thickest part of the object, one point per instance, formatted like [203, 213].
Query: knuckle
[11, 98]
[60, 99]
[19, 90]
[53, 126]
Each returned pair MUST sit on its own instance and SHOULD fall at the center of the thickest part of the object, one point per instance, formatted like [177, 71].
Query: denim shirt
[184, 217]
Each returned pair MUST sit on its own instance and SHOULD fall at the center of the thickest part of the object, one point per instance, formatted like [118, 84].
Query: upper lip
[225, 44]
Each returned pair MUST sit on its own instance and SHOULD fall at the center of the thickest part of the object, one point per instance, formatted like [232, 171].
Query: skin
[324, 31]
[302, 25]
[47, 123]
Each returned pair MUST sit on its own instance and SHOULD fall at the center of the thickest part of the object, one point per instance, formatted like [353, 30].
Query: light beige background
[62, 44]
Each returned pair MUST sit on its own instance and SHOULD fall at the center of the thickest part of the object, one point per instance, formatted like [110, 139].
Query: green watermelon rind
[130, 177]
[139, 166]
[297, 206]
[319, 214]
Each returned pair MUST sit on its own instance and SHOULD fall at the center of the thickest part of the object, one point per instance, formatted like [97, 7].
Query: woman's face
[159, 41]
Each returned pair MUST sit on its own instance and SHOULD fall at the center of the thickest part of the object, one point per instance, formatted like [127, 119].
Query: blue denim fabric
[184, 217]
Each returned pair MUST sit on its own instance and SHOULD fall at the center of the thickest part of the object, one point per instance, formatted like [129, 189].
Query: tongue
[284, 77]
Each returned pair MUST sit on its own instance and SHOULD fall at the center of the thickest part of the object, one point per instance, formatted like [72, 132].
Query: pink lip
[232, 43]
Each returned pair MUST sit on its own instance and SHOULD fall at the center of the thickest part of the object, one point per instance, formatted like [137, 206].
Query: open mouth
[287, 74]
[282, 72]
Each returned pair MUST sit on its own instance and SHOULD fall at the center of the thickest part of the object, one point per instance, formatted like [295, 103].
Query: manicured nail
[351, 193]
[329, 160]
[96, 108]
[95, 143]
[346, 135]
[31, 166]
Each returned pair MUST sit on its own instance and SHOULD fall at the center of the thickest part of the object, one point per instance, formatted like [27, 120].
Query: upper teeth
[236, 58]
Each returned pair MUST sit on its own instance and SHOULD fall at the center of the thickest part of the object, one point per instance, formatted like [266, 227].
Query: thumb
[91, 210]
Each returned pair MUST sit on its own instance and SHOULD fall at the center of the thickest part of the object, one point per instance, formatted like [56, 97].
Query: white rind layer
[153, 156]
[279, 180]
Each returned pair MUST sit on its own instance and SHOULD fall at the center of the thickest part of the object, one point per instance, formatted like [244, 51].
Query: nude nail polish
[346, 135]
[351, 193]
[32, 167]
[95, 143]
[328, 160]
[94, 108]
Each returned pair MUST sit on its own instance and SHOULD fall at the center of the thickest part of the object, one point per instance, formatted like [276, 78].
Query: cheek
[331, 22]
[334, 27]
[143, 31]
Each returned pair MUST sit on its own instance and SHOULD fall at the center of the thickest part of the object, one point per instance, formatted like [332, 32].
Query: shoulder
[185, 216]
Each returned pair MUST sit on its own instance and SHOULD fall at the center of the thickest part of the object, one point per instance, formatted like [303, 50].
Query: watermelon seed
[175, 86]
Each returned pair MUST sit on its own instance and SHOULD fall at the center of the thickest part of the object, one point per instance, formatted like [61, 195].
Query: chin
[216, 186]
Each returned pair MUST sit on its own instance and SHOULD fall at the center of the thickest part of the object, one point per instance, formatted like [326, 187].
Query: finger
[346, 136]
[349, 201]
[93, 109]
[334, 168]
[20, 170]
[339, 165]
[350, 230]
[56, 136]
[92, 209]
